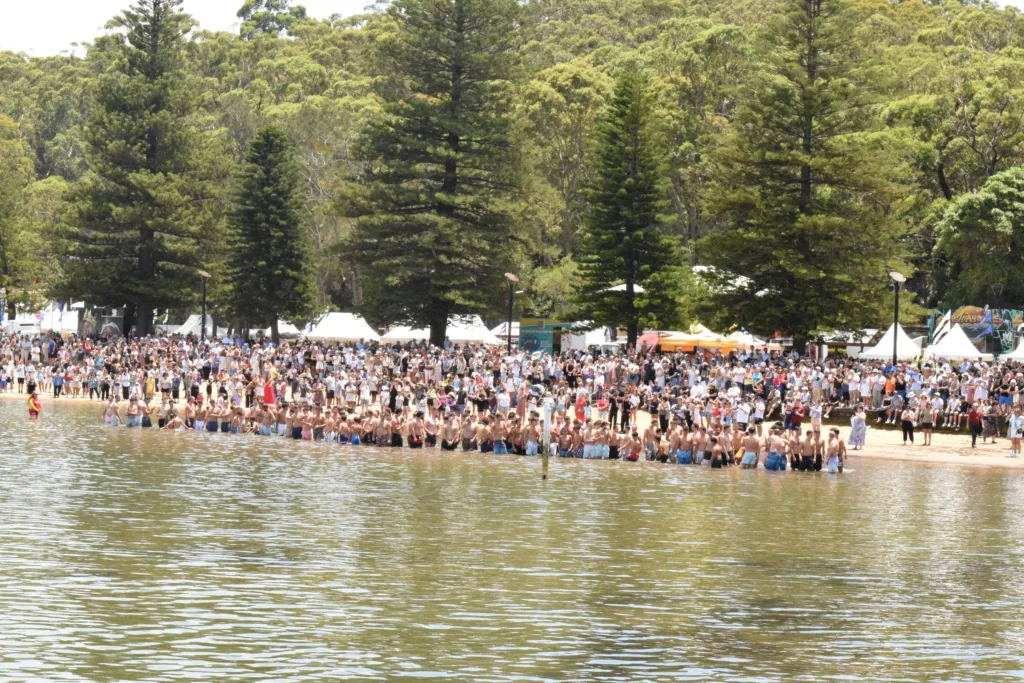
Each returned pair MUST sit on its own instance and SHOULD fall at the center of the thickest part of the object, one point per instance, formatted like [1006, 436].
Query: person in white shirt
[1016, 432]
[759, 415]
[743, 415]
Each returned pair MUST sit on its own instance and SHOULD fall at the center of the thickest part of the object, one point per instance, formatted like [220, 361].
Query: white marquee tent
[905, 348]
[342, 327]
[956, 345]
[501, 331]
[461, 330]
[1017, 355]
[284, 328]
[193, 326]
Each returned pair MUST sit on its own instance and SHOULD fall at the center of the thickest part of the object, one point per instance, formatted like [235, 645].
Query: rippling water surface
[132, 555]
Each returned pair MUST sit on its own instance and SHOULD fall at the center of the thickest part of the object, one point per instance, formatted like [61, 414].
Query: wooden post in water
[549, 407]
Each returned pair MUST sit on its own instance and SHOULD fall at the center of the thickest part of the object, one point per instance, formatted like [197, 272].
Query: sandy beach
[954, 448]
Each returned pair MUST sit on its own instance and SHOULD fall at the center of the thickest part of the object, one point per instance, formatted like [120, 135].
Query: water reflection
[134, 555]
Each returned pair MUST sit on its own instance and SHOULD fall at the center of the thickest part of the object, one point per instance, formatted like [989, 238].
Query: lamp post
[202, 322]
[898, 279]
[997, 291]
[512, 280]
[3, 304]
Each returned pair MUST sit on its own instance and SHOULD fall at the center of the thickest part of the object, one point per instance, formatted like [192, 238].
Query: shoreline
[884, 444]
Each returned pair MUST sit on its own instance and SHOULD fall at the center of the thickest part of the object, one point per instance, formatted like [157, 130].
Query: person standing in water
[34, 406]
[751, 450]
[112, 413]
[836, 452]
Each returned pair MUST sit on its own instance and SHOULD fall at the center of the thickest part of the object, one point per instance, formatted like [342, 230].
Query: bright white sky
[51, 26]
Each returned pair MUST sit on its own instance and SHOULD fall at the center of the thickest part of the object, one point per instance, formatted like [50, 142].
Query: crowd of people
[750, 408]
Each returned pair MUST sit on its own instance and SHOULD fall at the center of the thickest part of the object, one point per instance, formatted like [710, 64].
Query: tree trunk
[439, 326]
[143, 320]
[943, 182]
[127, 320]
[800, 344]
[632, 324]
[275, 334]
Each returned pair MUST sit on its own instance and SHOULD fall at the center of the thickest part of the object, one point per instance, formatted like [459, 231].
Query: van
[24, 327]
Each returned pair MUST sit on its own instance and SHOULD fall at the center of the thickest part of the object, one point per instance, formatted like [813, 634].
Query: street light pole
[898, 279]
[997, 291]
[202, 323]
[512, 280]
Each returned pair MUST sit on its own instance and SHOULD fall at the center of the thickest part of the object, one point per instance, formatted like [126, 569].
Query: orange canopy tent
[706, 339]
[677, 341]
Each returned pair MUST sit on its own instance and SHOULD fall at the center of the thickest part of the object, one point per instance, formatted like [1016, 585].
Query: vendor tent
[649, 339]
[581, 336]
[193, 326]
[677, 341]
[1017, 355]
[461, 330]
[745, 340]
[905, 348]
[501, 331]
[284, 328]
[342, 327]
[956, 345]
[706, 339]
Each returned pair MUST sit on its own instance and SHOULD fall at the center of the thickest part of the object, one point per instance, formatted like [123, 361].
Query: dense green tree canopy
[982, 236]
[913, 106]
[270, 17]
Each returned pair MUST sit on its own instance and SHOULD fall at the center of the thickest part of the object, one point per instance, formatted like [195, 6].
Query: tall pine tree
[808, 198]
[270, 267]
[629, 265]
[144, 216]
[435, 239]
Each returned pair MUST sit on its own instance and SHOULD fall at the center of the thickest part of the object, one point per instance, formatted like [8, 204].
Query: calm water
[130, 555]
